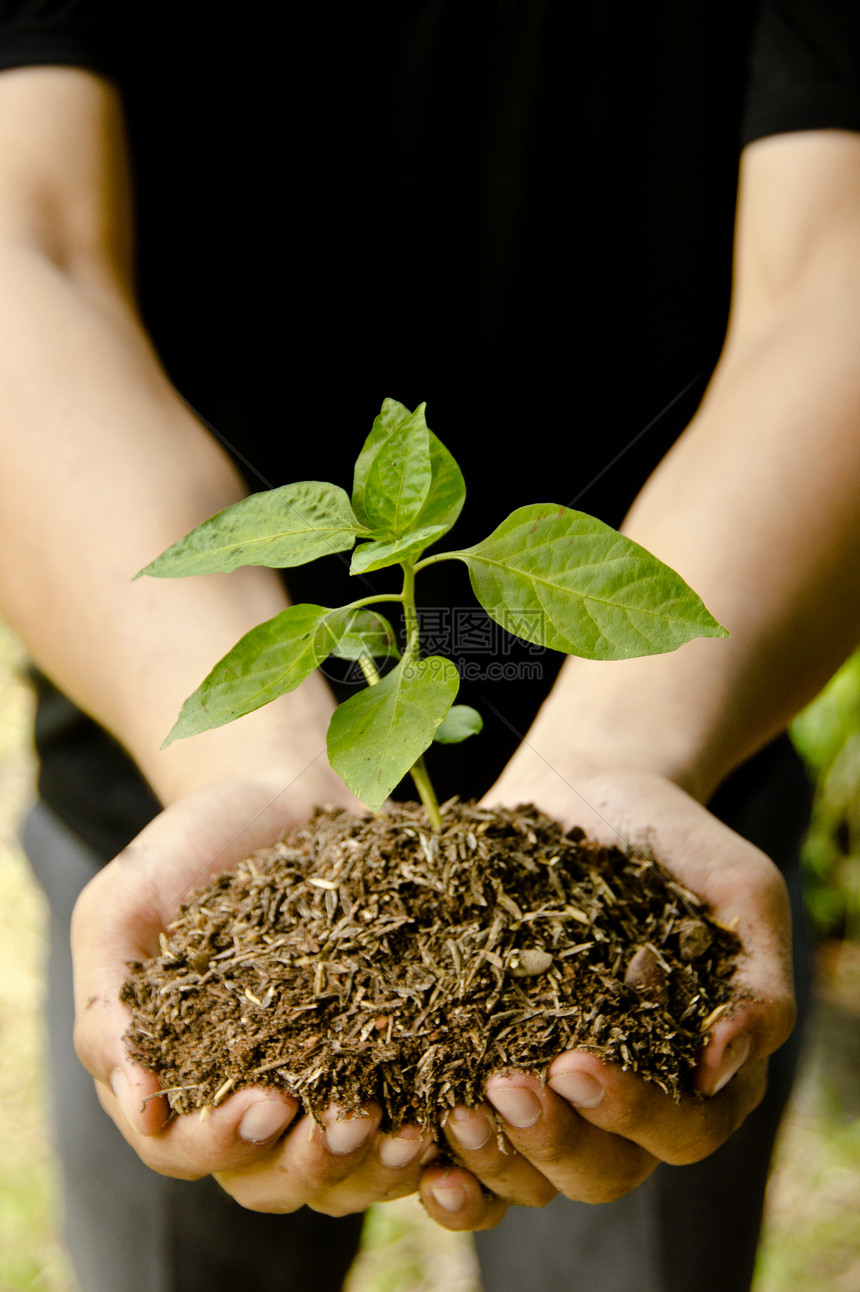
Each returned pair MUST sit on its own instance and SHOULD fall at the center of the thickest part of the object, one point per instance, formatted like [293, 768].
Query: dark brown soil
[367, 958]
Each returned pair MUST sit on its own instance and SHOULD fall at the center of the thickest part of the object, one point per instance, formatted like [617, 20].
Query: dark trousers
[687, 1229]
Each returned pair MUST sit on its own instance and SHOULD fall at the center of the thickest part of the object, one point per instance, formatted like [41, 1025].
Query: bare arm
[103, 465]
[758, 504]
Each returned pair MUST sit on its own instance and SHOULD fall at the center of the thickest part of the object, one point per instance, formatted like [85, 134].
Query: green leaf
[562, 579]
[281, 527]
[447, 493]
[366, 633]
[392, 474]
[462, 721]
[446, 490]
[390, 551]
[377, 735]
[273, 658]
[390, 417]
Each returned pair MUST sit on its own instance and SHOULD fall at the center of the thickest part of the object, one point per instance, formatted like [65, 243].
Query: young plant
[554, 577]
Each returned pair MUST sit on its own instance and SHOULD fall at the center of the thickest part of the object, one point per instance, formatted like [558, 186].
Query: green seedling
[552, 576]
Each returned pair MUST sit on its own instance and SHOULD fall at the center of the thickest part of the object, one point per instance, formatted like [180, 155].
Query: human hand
[595, 1132]
[118, 918]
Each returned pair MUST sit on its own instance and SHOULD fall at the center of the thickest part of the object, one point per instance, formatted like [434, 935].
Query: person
[530, 211]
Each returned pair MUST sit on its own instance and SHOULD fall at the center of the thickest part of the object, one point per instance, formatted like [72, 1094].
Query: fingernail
[734, 1057]
[122, 1093]
[579, 1088]
[518, 1105]
[399, 1150]
[450, 1197]
[470, 1129]
[264, 1120]
[346, 1135]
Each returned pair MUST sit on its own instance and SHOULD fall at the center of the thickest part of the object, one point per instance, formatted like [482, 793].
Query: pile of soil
[368, 958]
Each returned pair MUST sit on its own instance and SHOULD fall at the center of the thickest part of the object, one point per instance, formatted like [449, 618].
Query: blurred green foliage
[827, 735]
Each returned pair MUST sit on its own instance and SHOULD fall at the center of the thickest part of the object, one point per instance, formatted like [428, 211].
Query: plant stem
[412, 653]
[410, 614]
[372, 601]
[369, 669]
[426, 792]
[437, 557]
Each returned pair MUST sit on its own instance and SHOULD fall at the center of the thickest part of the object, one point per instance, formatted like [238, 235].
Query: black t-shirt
[520, 211]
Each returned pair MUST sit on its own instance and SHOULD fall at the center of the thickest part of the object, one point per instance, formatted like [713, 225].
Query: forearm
[758, 507]
[103, 466]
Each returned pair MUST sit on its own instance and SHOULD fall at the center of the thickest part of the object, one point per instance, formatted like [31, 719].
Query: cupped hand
[118, 918]
[594, 1132]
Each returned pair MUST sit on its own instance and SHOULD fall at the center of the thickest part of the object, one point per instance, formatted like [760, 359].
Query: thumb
[104, 940]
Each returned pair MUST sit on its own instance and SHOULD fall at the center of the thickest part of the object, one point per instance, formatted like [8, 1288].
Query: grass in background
[812, 1235]
[827, 734]
[31, 1253]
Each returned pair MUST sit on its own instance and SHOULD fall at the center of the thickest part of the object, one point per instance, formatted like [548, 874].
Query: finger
[763, 1012]
[728, 1049]
[139, 1106]
[748, 895]
[583, 1162]
[624, 1105]
[392, 1169]
[308, 1165]
[478, 1144]
[240, 1131]
[102, 947]
[455, 1200]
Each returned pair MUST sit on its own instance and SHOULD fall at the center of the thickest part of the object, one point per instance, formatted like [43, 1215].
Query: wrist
[657, 715]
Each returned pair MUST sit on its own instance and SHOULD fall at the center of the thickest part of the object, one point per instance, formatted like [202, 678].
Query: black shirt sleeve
[804, 68]
[66, 33]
